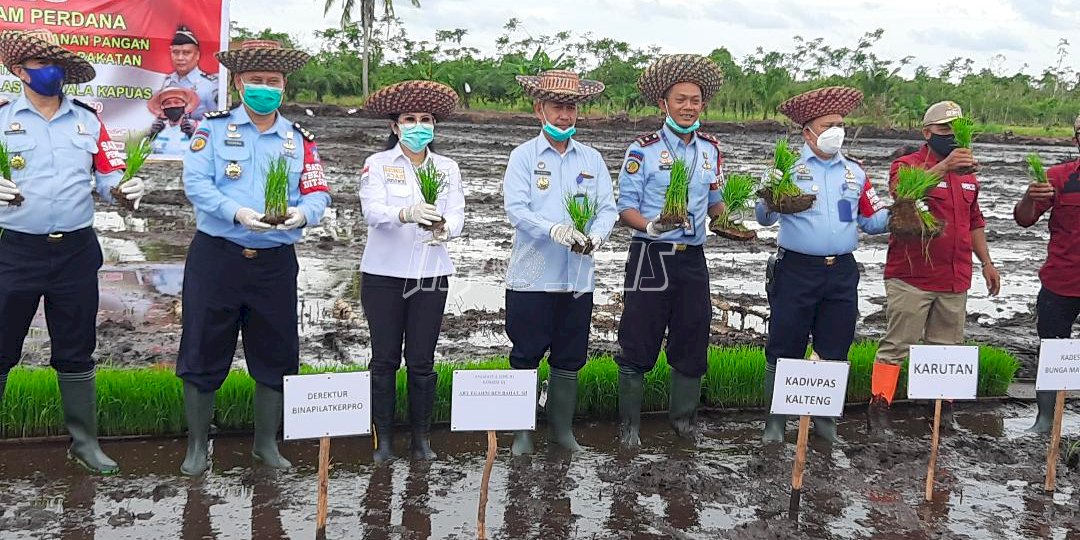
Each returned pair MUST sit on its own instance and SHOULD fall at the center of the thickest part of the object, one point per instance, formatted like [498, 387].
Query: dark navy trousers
[538, 322]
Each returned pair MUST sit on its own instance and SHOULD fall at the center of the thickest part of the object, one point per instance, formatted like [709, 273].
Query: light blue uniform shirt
[646, 173]
[205, 86]
[171, 141]
[537, 182]
[845, 203]
[63, 159]
[231, 141]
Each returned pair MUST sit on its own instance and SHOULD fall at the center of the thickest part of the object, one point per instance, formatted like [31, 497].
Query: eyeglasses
[409, 122]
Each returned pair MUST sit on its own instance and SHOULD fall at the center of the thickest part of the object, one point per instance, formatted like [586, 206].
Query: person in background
[173, 125]
[185, 55]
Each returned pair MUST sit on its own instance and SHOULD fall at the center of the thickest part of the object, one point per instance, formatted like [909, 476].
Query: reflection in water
[556, 520]
[265, 507]
[625, 513]
[79, 509]
[416, 514]
[377, 502]
[196, 522]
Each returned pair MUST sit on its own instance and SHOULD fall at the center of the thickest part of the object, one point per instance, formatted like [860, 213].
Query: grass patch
[149, 401]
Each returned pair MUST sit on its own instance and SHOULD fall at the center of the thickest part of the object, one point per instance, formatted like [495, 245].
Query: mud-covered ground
[989, 486]
[145, 252]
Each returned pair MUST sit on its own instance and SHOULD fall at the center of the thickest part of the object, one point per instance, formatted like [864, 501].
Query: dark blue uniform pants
[228, 289]
[403, 311]
[665, 289]
[812, 298]
[539, 321]
[1056, 314]
[64, 270]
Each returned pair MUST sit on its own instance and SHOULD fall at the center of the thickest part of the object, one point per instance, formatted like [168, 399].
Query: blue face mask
[682, 130]
[261, 98]
[556, 133]
[416, 138]
[46, 80]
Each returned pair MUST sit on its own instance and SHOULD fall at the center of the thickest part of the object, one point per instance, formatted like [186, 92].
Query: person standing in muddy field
[550, 279]
[666, 288]
[1058, 304]
[927, 281]
[405, 274]
[241, 272]
[57, 148]
[813, 280]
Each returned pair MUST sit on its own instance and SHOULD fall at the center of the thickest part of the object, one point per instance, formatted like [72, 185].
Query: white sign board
[493, 400]
[810, 387]
[1059, 365]
[943, 372]
[327, 405]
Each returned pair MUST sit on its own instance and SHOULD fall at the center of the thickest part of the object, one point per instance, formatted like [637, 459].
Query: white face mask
[830, 140]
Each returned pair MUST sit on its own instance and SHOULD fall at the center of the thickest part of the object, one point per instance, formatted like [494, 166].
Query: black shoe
[1044, 419]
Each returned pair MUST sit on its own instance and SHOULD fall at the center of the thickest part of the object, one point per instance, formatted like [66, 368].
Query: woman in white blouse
[405, 266]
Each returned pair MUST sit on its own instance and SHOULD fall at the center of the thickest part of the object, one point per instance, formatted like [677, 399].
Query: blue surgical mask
[417, 137]
[682, 130]
[261, 98]
[556, 133]
[46, 80]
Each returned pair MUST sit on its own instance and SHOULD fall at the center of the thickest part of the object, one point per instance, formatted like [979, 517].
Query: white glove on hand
[771, 175]
[566, 235]
[422, 214]
[8, 191]
[596, 242]
[134, 190]
[294, 219]
[250, 220]
[655, 229]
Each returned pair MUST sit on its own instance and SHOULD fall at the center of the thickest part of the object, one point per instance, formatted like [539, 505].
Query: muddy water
[142, 278]
[989, 486]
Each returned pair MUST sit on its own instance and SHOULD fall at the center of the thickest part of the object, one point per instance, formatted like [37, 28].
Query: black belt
[675, 245]
[248, 253]
[51, 238]
[815, 260]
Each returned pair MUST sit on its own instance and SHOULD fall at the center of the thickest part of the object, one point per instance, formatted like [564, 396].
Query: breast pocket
[810, 186]
[399, 193]
[76, 151]
[21, 154]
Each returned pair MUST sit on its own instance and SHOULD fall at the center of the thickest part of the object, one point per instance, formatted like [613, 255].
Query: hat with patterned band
[412, 96]
[17, 46]
[805, 107]
[670, 70]
[559, 86]
[262, 55]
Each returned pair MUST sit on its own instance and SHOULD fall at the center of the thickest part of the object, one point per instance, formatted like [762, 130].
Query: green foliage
[739, 191]
[5, 161]
[136, 150]
[581, 210]
[912, 183]
[277, 187]
[432, 182]
[784, 160]
[964, 128]
[678, 190]
[1035, 168]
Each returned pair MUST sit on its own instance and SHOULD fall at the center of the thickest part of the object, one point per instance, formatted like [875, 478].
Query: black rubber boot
[78, 394]
[774, 423]
[269, 406]
[421, 405]
[631, 397]
[683, 400]
[383, 405]
[1044, 419]
[825, 428]
[199, 411]
[561, 405]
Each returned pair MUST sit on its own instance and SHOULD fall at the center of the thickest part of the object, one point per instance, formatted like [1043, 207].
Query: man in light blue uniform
[667, 281]
[57, 147]
[549, 284]
[813, 279]
[185, 54]
[241, 272]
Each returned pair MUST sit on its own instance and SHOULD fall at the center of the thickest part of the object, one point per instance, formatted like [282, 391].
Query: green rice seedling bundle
[136, 152]
[738, 193]
[432, 184]
[781, 193]
[677, 195]
[964, 131]
[1036, 169]
[909, 216]
[277, 191]
[581, 210]
[5, 171]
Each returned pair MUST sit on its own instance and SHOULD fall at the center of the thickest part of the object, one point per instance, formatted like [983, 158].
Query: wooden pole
[493, 446]
[797, 470]
[1055, 443]
[324, 480]
[932, 466]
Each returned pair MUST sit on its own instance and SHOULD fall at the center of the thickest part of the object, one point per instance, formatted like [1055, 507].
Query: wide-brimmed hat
[807, 106]
[412, 96]
[670, 70]
[559, 86]
[262, 55]
[191, 99]
[17, 46]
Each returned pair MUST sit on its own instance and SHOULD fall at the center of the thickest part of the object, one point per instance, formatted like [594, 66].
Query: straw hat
[559, 86]
[668, 71]
[262, 55]
[412, 96]
[17, 46]
[191, 99]
[807, 106]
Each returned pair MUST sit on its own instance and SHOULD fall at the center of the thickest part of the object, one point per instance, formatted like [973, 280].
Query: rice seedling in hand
[277, 191]
[964, 130]
[909, 215]
[136, 152]
[1036, 169]
[581, 210]
[738, 192]
[781, 192]
[677, 195]
[5, 171]
[432, 183]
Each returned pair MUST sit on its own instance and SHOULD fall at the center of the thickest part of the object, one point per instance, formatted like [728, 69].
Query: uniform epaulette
[710, 138]
[308, 136]
[209, 76]
[214, 115]
[648, 138]
[85, 106]
[856, 161]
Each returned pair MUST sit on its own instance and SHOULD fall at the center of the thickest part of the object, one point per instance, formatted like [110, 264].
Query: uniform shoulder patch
[712, 139]
[309, 136]
[210, 76]
[85, 106]
[648, 138]
[856, 161]
[214, 115]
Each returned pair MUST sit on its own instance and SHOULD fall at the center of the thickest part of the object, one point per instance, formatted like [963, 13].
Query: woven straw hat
[807, 106]
[262, 55]
[412, 96]
[17, 46]
[668, 71]
[191, 99]
[559, 86]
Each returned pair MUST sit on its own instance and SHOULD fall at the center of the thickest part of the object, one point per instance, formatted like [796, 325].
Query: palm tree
[367, 22]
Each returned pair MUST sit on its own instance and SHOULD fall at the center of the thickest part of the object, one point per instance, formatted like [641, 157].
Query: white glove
[567, 235]
[250, 220]
[771, 175]
[294, 219]
[655, 229]
[8, 191]
[596, 242]
[134, 190]
[921, 205]
[422, 214]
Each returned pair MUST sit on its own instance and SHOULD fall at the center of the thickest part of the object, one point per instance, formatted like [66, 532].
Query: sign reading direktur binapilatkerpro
[810, 387]
[943, 372]
[327, 405]
[1059, 365]
[493, 400]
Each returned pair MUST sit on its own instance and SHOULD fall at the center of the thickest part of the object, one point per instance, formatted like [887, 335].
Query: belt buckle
[829, 261]
[250, 254]
[680, 247]
[55, 237]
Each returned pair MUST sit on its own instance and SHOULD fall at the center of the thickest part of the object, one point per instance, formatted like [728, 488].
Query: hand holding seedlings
[432, 183]
[252, 220]
[294, 219]
[277, 191]
[910, 216]
[657, 227]
[1038, 191]
[133, 191]
[781, 193]
[565, 234]
[677, 195]
[8, 193]
[421, 214]
[581, 209]
[964, 131]
[130, 190]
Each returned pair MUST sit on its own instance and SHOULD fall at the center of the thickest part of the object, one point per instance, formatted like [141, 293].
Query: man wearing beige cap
[926, 281]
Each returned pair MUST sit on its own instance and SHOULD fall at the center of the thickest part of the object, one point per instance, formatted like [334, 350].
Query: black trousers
[403, 311]
[665, 289]
[540, 321]
[63, 269]
[1056, 314]
[811, 298]
[228, 289]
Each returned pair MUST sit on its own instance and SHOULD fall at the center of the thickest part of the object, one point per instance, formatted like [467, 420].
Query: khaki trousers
[918, 317]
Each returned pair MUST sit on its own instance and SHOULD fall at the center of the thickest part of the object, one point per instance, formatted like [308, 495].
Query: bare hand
[960, 158]
[993, 279]
[1037, 191]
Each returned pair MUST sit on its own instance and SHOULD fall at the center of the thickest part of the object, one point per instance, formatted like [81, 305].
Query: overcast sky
[1023, 31]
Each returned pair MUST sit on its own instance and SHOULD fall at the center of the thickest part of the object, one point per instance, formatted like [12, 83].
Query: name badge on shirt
[15, 129]
[394, 175]
[967, 186]
[233, 142]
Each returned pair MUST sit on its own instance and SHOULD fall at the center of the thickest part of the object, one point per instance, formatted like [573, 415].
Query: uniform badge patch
[233, 170]
[394, 175]
[18, 163]
[197, 144]
[543, 183]
[632, 166]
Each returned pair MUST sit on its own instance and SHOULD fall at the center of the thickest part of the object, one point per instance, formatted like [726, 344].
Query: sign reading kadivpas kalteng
[943, 372]
[493, 400]
[810, 387]
[1059, 365]
[327, 405]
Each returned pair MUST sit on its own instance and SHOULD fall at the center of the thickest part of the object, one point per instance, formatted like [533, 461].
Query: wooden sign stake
[324, 480]
[797, 470]
[481, 516]
[932, 466]
[1055, 443]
